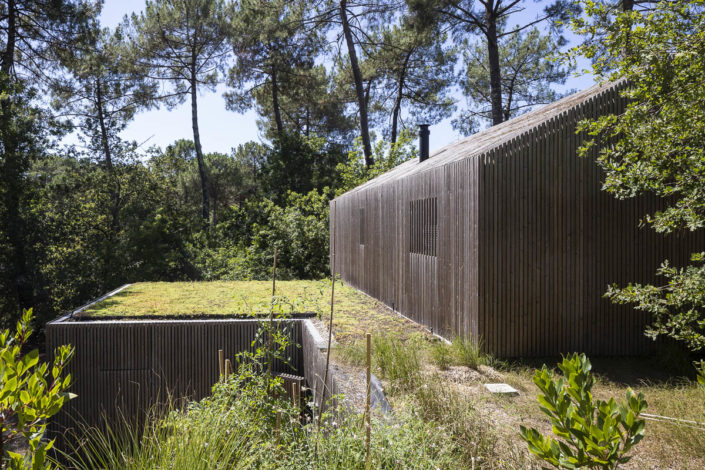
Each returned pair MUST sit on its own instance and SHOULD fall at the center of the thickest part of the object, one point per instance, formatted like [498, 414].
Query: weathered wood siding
[438, 291]
[527, 241]
[132, 364]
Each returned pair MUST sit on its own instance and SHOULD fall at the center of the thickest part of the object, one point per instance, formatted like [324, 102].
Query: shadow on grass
[668, 364]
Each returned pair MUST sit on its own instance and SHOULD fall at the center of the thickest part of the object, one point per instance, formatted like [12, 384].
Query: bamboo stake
[271, 315]
[367, 403]
[227, 369]
[221, 364]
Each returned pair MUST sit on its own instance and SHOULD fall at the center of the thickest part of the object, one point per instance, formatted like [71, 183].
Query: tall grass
[398, 361]
[460, 352]
[441, 355]
[468, 352]
[235, 428]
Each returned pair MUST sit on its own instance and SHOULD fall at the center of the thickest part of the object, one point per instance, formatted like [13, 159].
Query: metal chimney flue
[423, 142]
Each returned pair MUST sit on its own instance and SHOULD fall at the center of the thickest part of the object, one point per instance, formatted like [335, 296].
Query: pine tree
[488, 20]
[35, 36]
[183, 43]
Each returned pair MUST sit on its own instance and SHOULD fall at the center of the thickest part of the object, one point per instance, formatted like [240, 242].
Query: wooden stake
[367, 403]
[227, 369]
[279, 423]
[221, 364]
[296, 395]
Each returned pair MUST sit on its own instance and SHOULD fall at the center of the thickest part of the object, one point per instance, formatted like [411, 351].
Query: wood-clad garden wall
[527, 243]
[132, 364]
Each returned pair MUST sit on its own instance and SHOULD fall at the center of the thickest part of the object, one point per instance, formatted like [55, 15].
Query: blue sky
[222, 130]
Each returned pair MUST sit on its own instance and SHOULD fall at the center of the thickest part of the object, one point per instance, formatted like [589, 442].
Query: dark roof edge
[492, 137]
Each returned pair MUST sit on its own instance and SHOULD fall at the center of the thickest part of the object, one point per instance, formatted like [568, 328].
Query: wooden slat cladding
[526, 241]
[133, 364]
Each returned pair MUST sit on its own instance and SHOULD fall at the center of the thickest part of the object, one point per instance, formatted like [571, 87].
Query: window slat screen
[423, 226]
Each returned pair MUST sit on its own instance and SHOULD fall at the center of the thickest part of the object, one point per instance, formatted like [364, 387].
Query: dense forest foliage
[338, 86]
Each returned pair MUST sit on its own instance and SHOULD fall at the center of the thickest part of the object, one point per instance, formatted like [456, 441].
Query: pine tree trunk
[103, 130]
[114, 187]
[11, 172]
[275, 103]
[359, 91]
[495, 71]
[197, 143]
[8, 56]
[400, 95]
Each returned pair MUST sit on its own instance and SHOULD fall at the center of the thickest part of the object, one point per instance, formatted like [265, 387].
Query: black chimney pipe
[423, 142]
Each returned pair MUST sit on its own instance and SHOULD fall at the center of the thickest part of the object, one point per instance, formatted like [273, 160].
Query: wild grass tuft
[468, 352]
[470, 432]
[398, 361]
[352, 353]
[441, 355]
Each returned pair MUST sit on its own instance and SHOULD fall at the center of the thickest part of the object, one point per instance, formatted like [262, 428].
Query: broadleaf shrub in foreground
[590, 434]
[30, 394]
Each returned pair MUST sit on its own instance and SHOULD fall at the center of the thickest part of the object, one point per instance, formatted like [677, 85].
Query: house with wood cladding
[506, 236]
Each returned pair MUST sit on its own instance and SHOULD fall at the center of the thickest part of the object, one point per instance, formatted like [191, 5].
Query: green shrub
[591, 434]
[700, 367]
[30, 394]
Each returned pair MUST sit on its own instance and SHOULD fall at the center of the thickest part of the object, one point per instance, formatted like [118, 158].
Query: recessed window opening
[423, 225]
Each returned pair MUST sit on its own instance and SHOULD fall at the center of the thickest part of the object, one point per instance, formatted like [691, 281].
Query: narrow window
[423, 226]
[362, 226]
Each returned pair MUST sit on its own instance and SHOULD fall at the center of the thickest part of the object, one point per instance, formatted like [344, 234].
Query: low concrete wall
[314, 347]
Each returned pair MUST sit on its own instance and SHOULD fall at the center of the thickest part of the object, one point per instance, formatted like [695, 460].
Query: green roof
[193, 299]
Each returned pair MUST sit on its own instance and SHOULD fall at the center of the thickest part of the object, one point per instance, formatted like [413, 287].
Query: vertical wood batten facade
[526, 243]
[130, 365]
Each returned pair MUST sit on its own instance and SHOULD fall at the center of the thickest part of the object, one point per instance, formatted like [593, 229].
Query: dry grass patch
[487, 425]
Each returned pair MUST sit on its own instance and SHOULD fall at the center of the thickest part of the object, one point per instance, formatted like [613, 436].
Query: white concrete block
[502, 389]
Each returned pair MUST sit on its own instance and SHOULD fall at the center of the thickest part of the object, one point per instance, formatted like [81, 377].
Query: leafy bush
[592, 434]
[656, 146]
[241, 246]
[30, 395]
[300, 231]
